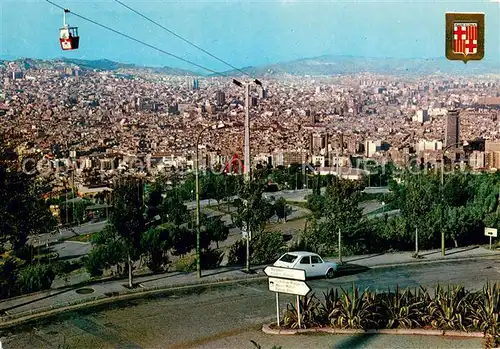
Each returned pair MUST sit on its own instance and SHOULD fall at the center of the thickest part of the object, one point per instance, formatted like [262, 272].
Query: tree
[282, 209]
[267, 247]
[183, 240]
[127, 219]
[341, 212]
[109, 249]
[23, 211]
[316, 204]
[219, 188]
[155, 244]
[216, 230]
[174, 210]
[252, 210]
[79, 211]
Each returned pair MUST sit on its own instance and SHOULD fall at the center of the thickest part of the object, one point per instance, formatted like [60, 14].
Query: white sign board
[244, 234]
[285, 273]
[492, 232]
[296, 287]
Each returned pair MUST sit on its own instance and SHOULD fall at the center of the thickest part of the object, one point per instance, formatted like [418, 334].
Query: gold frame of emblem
[451, 18]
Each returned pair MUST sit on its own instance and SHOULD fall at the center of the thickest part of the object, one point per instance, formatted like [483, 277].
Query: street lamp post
[246, 153]
[198, 252]
[443, 250]
[246, 158]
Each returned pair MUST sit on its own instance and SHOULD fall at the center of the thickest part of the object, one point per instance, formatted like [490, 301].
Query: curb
[440, 260]
[11, 320]
[416, 331]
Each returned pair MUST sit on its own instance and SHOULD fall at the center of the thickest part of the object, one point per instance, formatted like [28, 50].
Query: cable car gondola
[68, 36]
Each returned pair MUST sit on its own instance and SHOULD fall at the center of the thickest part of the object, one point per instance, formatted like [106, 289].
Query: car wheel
[330, 273]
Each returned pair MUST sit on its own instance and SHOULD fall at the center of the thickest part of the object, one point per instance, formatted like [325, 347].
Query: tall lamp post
[246, 158]
[198, 253]
[443, 251]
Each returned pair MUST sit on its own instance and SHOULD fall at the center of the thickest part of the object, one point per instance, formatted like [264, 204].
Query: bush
[65, 267]
[238, 252]
[94, 264]
[451, 308]
[186, 264]
[267, 247]
[8, 277]
[211, 259]
[35, 278]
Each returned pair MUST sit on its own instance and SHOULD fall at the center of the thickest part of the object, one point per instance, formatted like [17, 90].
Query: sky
[244, 33]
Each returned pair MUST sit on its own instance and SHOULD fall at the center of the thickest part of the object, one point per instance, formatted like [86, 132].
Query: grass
[293, 224]
[301, 204]
[81, 238]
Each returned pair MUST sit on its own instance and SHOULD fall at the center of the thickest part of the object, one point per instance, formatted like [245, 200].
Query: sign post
[491, 232]
[278, 309]
[298, 311]
[289, 281]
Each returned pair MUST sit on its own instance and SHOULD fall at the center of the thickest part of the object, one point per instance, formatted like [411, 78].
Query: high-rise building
[196, 85]
[491, 146]
[254, 101]
[452, 136]
[477, 159]
[262, 93]
[316, 143]
[220, 97]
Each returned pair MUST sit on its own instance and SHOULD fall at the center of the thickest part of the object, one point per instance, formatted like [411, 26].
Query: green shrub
[46, 258]
[451, 308]
[8, 277]
[267, 247]
[211, 259]
[35, 277]
[186, 264]
[238, 252]
[94, 264]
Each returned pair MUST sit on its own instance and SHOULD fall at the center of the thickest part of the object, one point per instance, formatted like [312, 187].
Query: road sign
[492, 232]
[285, 273]
[244, 234]
[296, 287]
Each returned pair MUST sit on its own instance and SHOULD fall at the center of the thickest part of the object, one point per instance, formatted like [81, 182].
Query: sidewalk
[110, 290]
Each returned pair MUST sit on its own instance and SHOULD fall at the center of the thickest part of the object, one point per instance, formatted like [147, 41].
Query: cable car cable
[183, 39]
[139, 41]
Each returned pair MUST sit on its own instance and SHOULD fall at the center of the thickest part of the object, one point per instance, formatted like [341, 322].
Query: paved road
[217, 318]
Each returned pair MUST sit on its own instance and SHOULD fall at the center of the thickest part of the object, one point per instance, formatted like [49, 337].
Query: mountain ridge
[320, 65]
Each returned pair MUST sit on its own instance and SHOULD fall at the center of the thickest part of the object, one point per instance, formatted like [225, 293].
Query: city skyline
[285, 31]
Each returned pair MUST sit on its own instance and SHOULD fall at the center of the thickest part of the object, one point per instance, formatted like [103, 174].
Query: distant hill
[329, 65]
[106, 64]
[323, 65]
[100, 64]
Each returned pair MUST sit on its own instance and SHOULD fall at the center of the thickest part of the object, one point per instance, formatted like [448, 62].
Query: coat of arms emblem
[465, 36]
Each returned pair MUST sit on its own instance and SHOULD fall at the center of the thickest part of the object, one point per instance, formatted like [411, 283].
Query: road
[225, 316]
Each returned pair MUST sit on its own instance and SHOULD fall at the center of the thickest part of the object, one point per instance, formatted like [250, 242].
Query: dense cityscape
[92, 140]
[342, 179]
[58, 110]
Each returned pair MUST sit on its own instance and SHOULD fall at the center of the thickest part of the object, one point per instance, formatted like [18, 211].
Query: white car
[312, 263]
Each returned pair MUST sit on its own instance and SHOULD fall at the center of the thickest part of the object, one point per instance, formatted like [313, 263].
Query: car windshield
[288, 258]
